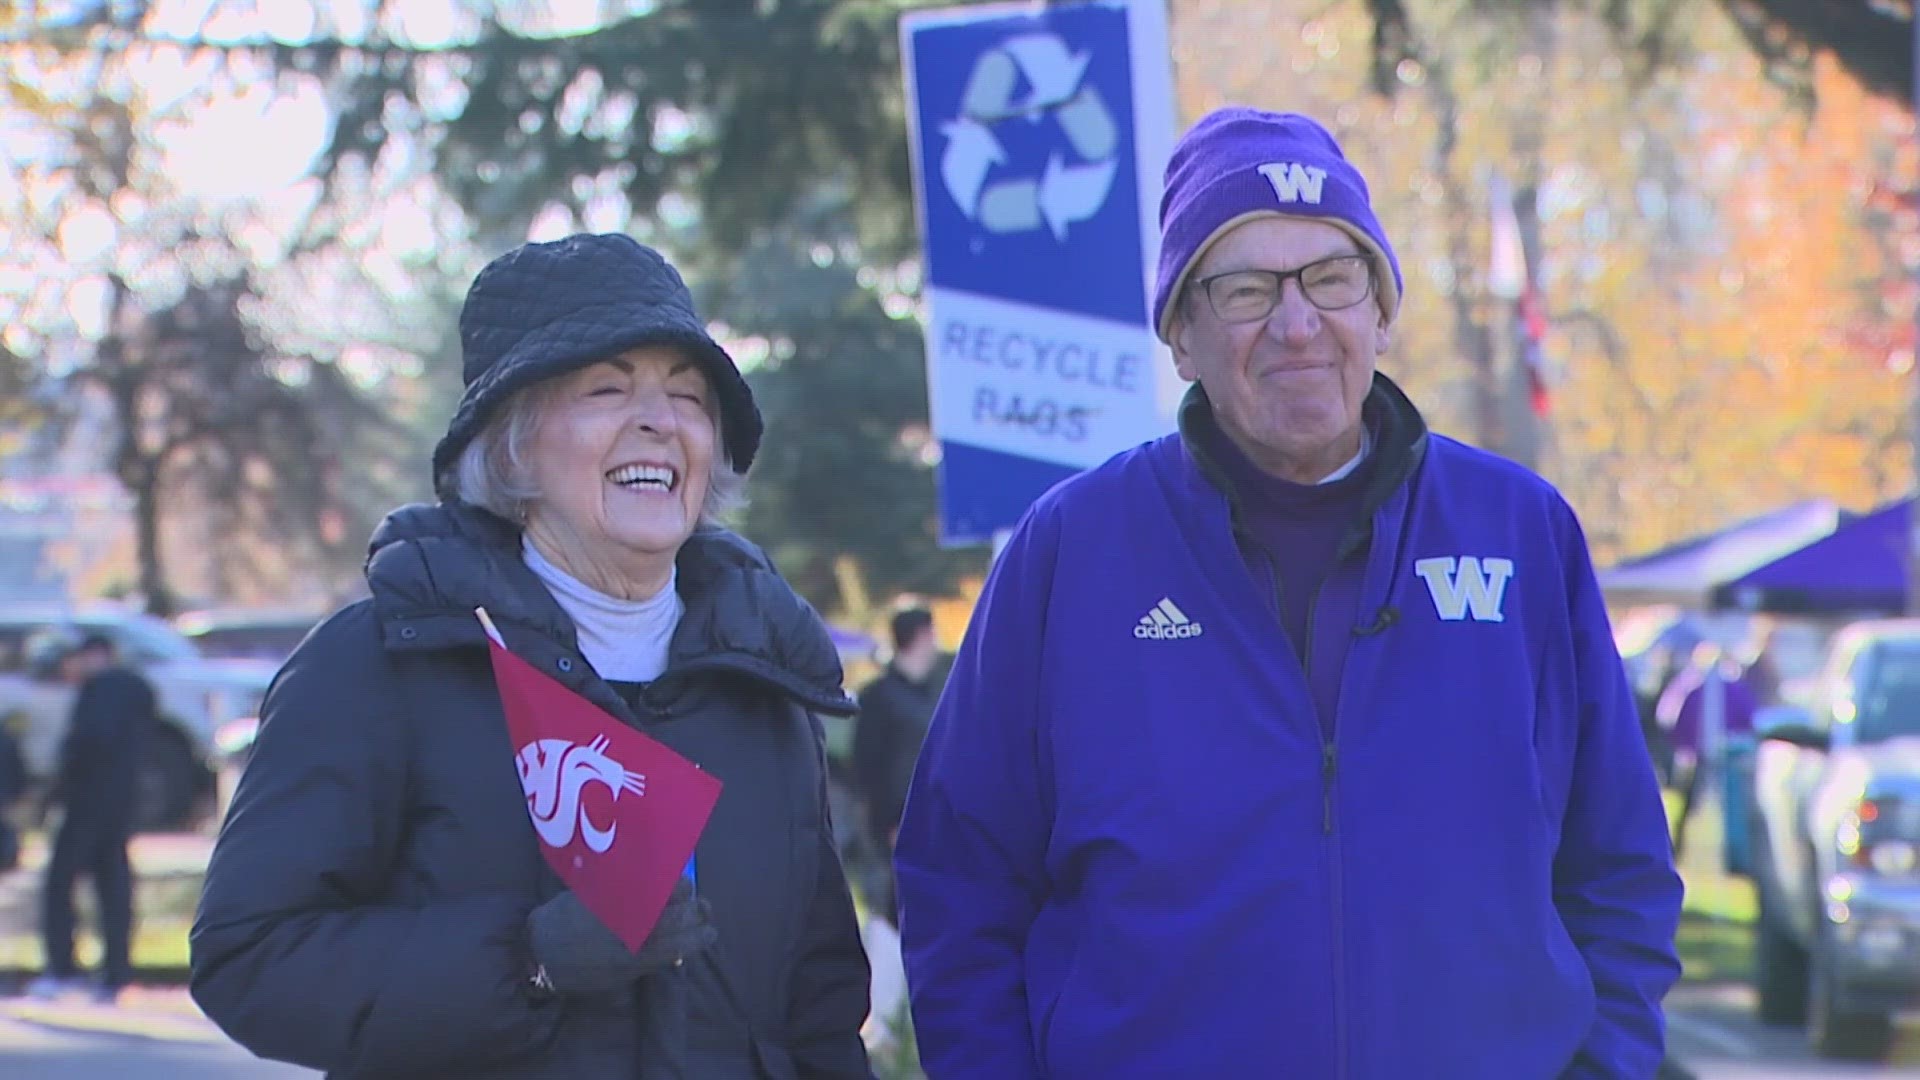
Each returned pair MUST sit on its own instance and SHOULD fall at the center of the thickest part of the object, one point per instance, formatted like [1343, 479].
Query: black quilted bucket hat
[543, 310]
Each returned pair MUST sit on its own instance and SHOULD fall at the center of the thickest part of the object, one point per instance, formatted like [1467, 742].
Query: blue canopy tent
[1688, 573]
[1859, 569]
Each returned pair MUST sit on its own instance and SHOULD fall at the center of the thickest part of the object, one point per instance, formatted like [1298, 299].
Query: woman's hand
[585, 959]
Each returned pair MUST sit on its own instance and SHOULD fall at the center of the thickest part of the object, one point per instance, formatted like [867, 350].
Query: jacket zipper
[1329, 757]
[1329, 768]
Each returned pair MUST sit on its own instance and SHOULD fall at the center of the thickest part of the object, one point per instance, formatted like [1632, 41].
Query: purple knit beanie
[1238, 163]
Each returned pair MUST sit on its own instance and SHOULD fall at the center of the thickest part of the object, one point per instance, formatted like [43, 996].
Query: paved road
[153, 1032]
[1713, 1032]
[83, 1048]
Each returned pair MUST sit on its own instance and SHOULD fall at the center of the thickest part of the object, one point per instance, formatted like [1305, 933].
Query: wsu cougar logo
[552, 772]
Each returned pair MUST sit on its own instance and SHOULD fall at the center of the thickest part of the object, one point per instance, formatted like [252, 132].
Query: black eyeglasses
[1250, 295]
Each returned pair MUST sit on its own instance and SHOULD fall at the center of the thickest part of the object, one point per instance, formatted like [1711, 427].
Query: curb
[13, 978]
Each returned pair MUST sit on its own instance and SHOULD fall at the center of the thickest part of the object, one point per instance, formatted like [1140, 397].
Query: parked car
[247, 633]
[268, 635]
[196, 697]
[1835, 838]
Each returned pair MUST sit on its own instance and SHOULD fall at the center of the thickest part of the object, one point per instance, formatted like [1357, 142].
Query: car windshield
[264, 641]
[141, 640]
[1887, 703]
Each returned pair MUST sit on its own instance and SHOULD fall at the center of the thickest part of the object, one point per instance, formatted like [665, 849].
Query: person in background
[13, 785]
[1762, 671]
[1656, 669]
[114, 716]
[1707, 704]
[895, 709]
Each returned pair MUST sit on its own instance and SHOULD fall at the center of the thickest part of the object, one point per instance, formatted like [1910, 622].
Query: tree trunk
[1526, 432]
[160, 600]
[1472, 338]
[139, 469]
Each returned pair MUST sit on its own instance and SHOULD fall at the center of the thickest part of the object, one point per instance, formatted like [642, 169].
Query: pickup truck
[197, 697]
[1834, 833]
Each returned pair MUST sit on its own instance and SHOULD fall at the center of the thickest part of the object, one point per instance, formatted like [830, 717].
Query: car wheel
[169, 786]
[1780, 973]
[1837, 1031]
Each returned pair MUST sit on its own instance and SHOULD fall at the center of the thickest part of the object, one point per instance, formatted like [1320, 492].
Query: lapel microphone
[1383, 619]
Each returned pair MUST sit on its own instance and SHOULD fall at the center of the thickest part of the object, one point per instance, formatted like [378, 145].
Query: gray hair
[491, 472]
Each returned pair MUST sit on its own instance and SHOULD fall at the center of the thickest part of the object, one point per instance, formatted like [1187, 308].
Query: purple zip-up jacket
[1296, 539]
[1131, 852]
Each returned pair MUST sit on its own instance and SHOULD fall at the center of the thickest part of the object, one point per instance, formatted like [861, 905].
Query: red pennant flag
[618, 814]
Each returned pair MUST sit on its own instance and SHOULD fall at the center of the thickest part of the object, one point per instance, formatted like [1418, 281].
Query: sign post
[1039, 137]
[1913, 377]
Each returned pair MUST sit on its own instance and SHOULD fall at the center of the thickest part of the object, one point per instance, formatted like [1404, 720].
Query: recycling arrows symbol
[1063, 193]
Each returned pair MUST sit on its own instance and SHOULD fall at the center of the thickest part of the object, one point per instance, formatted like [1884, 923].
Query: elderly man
[1294, 744]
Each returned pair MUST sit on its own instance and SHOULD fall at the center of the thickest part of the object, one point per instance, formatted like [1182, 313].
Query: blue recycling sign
[1037, 196]
[1038, 138]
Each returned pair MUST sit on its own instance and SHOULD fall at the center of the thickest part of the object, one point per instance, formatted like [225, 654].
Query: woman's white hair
[492, 470]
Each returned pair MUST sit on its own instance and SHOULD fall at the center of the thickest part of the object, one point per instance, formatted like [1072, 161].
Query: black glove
[585, 959]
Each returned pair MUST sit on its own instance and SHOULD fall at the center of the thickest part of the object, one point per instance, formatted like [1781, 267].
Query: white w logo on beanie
[1294, 182]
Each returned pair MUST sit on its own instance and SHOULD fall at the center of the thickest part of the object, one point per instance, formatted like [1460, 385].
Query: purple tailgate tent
[1688, 572]
[1861, 569]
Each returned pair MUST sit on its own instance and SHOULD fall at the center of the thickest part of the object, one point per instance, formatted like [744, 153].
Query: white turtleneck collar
[1344, 471]
[624, 640]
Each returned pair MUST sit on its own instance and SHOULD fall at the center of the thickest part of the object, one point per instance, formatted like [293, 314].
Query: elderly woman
[378, 904]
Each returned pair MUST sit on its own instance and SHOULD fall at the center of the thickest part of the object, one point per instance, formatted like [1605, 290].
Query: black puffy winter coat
[365, 906]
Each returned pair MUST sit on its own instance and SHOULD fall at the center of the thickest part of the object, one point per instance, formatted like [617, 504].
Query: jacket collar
[429, 566]
[1399, 446]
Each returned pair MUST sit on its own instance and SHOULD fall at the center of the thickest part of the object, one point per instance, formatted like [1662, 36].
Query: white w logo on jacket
[1468, 583]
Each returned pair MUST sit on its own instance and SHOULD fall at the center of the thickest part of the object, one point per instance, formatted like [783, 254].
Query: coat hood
[429, 567]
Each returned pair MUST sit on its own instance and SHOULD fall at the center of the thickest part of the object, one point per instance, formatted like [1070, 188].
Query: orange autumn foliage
[1731, 312]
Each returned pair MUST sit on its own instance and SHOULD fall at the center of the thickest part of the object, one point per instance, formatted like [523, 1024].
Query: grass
[163, 914]
[1712, 952]
[1716, 896]
[899, 1059]
[159, 947]
[1715, 939]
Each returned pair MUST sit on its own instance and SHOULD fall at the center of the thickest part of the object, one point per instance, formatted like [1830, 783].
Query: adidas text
[1186, 630]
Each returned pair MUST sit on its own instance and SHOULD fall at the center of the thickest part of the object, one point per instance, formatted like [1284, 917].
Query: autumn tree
[1868, 39]
[1708, 250]
[737, 135]
[763, 147]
